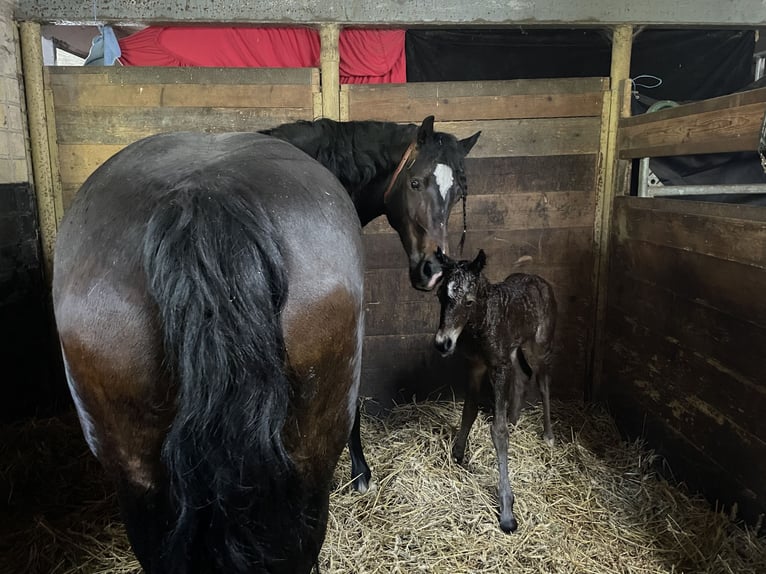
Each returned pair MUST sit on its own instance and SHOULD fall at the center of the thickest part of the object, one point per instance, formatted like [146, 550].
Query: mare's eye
[415, 184]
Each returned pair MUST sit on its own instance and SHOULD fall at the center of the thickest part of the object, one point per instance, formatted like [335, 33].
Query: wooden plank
[487, 175]
[543, 247]
[727, 345]
[482, 88]
[697, 208]
[682, 458]
[736, 240]
[529, 137]
[517, 211]
[400, 367]
[727, 286]
[79, 161]
[447, 108]
[111, 126]
[727, 130]
[95, 75]
[720, 438]
[184, 95]
[391, 286]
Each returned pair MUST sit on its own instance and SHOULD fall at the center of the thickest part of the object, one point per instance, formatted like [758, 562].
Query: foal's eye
[468, 302]
[415, 184]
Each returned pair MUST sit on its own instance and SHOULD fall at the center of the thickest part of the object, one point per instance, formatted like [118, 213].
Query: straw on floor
[591, 504]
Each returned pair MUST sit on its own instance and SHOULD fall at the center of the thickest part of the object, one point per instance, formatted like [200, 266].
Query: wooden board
[450, 101]
[686, 336]
[727, 124]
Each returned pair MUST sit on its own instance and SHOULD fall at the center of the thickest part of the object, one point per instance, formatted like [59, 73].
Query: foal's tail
[218, 278]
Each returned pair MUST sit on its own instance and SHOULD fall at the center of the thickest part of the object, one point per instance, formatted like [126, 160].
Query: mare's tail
[218, 278]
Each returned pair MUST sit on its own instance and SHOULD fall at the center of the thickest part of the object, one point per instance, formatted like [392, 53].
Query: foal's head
[458, 295]
[428, 182]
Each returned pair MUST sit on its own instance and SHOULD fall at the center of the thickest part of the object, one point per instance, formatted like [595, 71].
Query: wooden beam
[32, 65]
[622, 42]
[329, 35]
[726, 124]
[588, 13]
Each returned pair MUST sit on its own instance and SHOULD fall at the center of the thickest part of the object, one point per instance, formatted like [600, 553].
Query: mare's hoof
[508, 526]
[362, 483]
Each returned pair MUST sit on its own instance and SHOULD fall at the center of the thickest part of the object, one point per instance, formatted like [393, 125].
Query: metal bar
[676, 190]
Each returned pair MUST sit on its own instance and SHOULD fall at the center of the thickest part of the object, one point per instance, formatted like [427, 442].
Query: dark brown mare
[208, 296]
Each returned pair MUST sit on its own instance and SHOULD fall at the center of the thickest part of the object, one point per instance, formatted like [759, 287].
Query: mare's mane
[356, 152]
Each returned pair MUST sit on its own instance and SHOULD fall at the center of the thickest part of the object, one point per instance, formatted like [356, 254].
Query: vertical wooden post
[32, 67]
[329, 35]
[622, 40]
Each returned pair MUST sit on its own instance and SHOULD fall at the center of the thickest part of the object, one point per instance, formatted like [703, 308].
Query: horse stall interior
[673, 346]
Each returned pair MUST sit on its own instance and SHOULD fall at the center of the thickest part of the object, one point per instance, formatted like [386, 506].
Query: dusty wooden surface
[686, 340]
[100, 111]
[726, 124]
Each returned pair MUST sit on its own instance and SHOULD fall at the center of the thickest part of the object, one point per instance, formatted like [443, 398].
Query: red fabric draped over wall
[366, 56]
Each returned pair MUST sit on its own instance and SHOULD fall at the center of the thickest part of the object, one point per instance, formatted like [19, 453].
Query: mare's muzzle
[425, 274]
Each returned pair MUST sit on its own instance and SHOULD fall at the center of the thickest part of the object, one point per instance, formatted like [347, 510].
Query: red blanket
[366, 56]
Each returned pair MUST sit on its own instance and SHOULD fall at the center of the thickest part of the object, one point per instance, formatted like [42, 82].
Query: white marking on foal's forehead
[443, 174]
[451, 287]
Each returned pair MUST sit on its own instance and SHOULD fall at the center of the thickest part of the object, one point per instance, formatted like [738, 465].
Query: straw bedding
[591, 504]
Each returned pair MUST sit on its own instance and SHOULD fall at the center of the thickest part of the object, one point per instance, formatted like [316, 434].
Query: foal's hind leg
[518, 385]
[502, 381]
[360, 470]
[470, 409]
[544, 382]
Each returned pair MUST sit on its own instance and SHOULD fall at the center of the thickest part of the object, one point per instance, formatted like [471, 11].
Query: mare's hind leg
[544, 382]
[360, 470]
[502, 382]
[146, 517]
[470, 409]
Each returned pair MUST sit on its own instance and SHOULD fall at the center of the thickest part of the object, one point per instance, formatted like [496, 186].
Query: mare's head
[458, 295]
[429, 181]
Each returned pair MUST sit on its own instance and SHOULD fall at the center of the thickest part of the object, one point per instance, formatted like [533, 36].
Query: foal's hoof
[549, 440]
[509, 525]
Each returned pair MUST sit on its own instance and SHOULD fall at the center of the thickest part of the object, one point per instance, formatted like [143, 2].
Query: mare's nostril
[427, 271]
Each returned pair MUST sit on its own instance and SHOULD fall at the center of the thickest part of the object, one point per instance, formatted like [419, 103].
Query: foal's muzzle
[444, 344]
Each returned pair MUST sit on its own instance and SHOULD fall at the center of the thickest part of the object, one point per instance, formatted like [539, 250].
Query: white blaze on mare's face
[443, 175]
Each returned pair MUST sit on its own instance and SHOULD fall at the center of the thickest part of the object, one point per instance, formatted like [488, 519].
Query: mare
[212, 340]
[411, 174]
[491, 323]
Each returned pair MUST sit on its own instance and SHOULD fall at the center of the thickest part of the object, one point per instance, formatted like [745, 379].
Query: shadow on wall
[30, 377]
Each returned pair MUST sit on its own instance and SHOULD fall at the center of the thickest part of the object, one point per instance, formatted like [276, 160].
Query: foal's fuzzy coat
[496, 322]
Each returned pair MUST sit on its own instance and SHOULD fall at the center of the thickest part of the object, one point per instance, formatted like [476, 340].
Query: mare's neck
[363, 155]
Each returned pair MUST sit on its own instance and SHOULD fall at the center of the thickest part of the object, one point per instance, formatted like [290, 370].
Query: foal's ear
[478, 264]
[467, 144]
[426, 130]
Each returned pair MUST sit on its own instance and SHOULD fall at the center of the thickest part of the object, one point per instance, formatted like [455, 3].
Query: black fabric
[693, 64]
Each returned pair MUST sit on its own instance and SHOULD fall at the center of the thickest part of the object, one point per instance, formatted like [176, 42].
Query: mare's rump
[212, 344]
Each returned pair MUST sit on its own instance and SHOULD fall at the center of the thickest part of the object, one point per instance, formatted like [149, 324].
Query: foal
[497, 321]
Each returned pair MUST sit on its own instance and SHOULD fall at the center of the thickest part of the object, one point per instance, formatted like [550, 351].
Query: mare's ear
[478, 264]
[426, 130]
[467, 144]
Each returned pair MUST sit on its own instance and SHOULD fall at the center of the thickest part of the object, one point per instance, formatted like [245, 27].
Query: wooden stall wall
[532, 180]
[98, 111]
[686, 314]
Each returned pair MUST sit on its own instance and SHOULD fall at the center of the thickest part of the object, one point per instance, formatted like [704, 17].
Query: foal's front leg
[470, 408]
[502, 382]
[360, 470]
